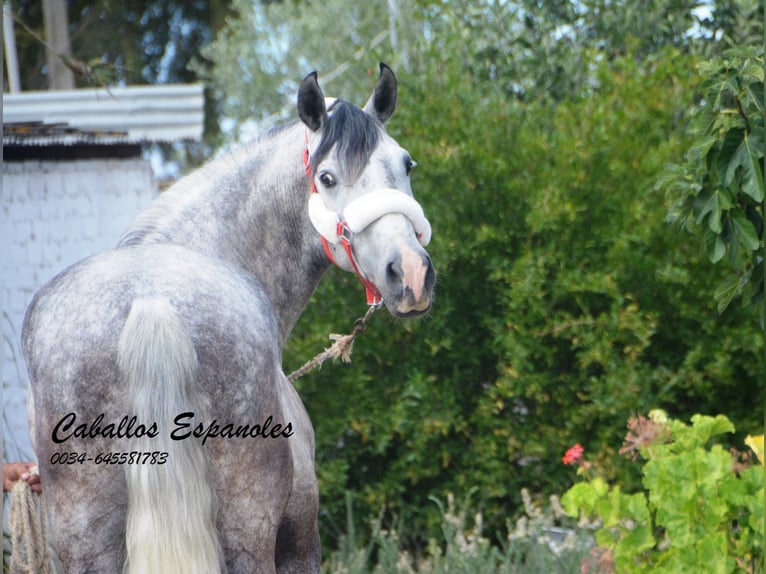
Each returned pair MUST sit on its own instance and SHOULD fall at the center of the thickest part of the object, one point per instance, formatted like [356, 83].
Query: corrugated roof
[136, 114]
[30, 134]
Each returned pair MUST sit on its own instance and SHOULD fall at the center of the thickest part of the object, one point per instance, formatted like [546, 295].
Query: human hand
[15, 471]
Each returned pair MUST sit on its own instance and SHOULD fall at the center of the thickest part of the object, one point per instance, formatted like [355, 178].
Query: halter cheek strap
[357, 216]
[373, 294]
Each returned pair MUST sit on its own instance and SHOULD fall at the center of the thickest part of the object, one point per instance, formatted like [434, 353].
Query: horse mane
[148, 223]
[354, 131]
[148, 226]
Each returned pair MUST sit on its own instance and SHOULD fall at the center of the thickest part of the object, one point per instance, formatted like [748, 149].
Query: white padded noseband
[365, 210]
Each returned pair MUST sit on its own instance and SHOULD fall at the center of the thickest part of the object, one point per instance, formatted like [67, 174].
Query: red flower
[573, 455]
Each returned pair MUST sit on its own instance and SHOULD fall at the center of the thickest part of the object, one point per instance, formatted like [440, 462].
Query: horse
[168, 437]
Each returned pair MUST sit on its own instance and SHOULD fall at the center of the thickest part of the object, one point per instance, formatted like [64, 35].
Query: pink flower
[573, 455]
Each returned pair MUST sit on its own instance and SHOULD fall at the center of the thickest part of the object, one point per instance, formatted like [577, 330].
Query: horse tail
[171, 518]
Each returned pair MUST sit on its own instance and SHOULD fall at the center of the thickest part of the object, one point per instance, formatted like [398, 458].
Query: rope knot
[341, 348]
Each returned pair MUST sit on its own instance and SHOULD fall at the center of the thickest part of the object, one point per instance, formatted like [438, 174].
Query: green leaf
[714, 246]
[710, 553]
[743, 52]
[743, 230]
[753, 70]
[675, 179]
[706, 427]
[723, 89]
[585, 496]
[702, 146]
[729, 288]
[638, 540]
[713, 204]
[720, 155]
[727, 160]
[703, 119]
[754, 92]
[749, 156]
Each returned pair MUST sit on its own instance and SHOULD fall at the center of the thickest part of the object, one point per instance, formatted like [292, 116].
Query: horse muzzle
[409, 282]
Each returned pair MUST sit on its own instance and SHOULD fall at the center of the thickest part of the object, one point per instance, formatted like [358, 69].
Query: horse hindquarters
[104, 343]
[171, 521]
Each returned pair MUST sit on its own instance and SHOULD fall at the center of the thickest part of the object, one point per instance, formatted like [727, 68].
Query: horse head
[362, 203]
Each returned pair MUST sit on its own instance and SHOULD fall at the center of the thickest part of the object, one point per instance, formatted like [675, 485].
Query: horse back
[72, 326]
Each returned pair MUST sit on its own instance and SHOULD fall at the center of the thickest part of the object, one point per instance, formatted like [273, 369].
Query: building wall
[54, 213]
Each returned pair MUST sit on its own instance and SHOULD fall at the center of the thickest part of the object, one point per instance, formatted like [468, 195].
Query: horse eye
[326, 179]
[409, 165]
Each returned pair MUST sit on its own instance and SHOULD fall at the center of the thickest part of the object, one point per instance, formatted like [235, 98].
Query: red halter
[344, 234]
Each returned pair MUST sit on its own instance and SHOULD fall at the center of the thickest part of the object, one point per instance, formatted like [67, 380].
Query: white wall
[54, 213]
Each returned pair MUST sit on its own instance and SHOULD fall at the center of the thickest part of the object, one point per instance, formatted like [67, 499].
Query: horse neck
[247, 208]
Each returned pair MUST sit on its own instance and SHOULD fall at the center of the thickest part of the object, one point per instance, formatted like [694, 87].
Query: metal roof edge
[152, 113]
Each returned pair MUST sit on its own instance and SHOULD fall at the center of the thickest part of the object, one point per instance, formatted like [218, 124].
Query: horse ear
[311, 104]
[382, 102]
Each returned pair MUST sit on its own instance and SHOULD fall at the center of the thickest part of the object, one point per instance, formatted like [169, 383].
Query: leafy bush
[564, 303]
[701, 509]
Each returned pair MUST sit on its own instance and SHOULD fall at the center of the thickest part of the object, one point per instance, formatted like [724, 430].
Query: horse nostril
[430, 280]
[394, 272]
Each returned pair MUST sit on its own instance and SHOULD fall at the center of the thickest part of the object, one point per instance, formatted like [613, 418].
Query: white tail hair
[170, 524]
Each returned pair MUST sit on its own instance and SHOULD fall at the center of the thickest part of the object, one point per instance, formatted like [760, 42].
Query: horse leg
[253, 477]
[85, 502]
[86, 511]
[298, 545]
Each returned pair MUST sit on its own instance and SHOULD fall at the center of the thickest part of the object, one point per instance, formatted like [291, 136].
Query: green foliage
[718, 191]
[564, 302]
[697, 512]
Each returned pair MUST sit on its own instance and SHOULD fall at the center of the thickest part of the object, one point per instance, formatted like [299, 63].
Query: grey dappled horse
[158, 364]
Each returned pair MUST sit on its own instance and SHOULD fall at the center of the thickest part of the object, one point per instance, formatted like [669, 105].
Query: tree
[263, 54]
[126, 43]
[133, 43]
[57, 37]
[718, 191]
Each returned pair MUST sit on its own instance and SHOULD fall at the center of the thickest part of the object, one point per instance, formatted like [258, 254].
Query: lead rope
[30, 553]
[342, 346]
